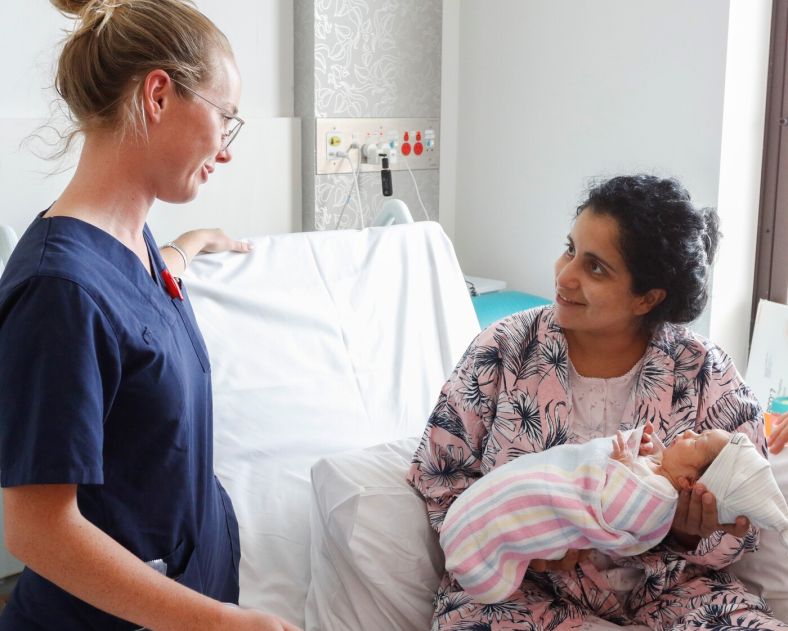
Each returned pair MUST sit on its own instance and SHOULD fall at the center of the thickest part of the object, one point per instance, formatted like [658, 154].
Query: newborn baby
[618, 501]
[728, 465]
[680, 464]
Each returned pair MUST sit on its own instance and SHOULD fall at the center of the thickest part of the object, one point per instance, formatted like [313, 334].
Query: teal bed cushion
[494, 306]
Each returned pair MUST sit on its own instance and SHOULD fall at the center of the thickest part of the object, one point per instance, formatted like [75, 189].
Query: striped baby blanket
[540, 505]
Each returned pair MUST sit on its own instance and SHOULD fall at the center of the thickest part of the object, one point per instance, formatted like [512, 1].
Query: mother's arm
[449, 457]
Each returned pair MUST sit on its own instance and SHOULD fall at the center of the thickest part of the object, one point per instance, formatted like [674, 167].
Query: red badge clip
[173, 289]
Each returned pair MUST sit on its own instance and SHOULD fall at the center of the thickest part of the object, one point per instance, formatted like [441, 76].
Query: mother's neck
[606, 355]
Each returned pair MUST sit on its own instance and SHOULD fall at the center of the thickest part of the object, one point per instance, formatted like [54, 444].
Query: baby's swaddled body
[541, 505]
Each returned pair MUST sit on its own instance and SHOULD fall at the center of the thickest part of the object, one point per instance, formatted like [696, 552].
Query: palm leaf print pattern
[557, 430]
[471, 393]
[653, 379]
[447, 603]
[518, 341]
[555, 359]
[682, 396]
[446, 417]
[447, 466]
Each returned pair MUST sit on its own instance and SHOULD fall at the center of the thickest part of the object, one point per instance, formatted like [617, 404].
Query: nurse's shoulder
[105, 274]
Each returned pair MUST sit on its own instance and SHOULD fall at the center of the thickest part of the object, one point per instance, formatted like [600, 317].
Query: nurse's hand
[696, 518]
[251, 620]
[215, 240]
[195, 241]
[779, 435]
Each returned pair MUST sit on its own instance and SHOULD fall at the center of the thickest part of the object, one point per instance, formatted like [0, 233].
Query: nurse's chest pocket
[159, 369]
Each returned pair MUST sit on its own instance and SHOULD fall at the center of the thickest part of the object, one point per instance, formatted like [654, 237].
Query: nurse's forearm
[190, 244]
[46, 531]
[195, 241]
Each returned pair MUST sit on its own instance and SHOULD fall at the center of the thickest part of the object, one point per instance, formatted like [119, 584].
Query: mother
[610, 354]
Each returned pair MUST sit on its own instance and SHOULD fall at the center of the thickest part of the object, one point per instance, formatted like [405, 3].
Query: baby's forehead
[718, 438]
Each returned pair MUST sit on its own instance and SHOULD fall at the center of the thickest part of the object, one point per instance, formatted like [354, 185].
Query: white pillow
[765, 571]
[376, 562]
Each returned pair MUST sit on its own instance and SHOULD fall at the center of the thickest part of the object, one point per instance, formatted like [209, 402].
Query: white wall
[261, 33]
[450, 102]
[740, 174]
[551, 92]
[262, 36]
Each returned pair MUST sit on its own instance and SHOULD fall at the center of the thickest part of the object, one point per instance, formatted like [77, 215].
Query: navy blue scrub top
[106, 384]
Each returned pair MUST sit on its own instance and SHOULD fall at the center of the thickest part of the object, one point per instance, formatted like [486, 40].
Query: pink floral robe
[509, 396]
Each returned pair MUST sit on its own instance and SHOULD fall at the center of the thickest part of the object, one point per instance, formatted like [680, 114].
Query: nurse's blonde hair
[116, 43]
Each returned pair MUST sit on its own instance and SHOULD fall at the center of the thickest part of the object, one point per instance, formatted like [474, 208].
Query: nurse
[106, 457]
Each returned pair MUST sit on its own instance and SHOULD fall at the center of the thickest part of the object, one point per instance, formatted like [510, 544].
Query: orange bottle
[777, 406]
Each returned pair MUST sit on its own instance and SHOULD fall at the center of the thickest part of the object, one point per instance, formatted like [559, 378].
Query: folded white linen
[743, 484]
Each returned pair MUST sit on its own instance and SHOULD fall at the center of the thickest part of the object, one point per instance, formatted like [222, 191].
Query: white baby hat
[743, 483]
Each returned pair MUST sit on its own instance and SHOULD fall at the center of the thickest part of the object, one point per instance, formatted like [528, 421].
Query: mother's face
[593, 283]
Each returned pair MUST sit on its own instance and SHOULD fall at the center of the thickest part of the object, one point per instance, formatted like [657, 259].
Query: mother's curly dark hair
[666, 242]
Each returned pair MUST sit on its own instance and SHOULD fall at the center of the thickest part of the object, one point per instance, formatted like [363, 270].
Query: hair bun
[711, 232]
[71, 7]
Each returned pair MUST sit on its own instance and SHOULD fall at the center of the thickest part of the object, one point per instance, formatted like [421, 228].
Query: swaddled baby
[728, 465]
[590, 496]
[678, 466]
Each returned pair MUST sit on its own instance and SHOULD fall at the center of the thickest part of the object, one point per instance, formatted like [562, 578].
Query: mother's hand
[571, 558]
[696, 518]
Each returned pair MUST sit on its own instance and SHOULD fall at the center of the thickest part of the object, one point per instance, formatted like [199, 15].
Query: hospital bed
[328, 350]
[324, 345]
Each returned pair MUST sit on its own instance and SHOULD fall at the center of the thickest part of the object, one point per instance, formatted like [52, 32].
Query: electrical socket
[335, 135]
[336, 141]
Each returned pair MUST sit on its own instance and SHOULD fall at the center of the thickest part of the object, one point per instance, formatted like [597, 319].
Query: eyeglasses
[232, 123]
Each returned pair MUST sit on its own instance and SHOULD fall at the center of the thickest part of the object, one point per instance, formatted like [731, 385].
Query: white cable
[344, 206]
[349, 194]
[418, 195]
[358, 193]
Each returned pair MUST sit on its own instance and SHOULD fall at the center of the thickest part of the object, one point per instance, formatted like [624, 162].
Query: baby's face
[691, 452]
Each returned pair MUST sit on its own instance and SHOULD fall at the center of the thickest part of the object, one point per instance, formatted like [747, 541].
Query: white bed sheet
[319, 342]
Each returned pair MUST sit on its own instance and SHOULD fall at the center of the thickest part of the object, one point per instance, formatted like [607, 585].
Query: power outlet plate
[336, 142]
[415, 140]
